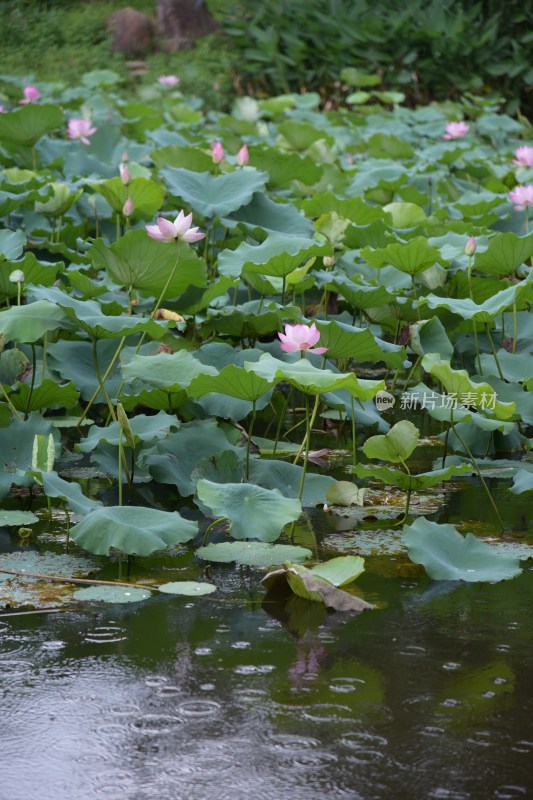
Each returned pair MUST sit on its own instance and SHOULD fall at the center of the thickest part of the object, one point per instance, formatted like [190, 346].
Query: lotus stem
[280, 422]
[309, 426]
[210, 527]
[120, 456]
[100, 381]
[477, 469]
[250, 429]
[354, 433]
[494, 352]
[9, 402]
[106, 375]
[34, 367]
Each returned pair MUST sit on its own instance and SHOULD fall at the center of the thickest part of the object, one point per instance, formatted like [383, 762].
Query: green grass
[62, 40]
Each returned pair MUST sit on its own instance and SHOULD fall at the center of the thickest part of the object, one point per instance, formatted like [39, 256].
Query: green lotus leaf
[410, 483]
[284, 167]
[254, 512]
[395, 446]
[25, 126]
[522, 481]
[340, 571]
[448, 556]
[287, 477]
[277, 256]
[233, 381]
[74, 361]
[414, 257]
[131, 529]
[187, 588]
[46, 395]
[28, 323]
[112, 594]
[61, 200]
[429, 336]
[170, 371]
[175, 155]
[505, 254]
[11, 244]
[311, 380]
[440, 407]
[515, 367]
[263, 214]
[255, 554]
[35, 272]
[405, 215]
[353, 208]
[344, 341]
[54, 486]
[17, 518]
[177, 456]
[301, 135]
[360, 296]
[139, 262]
[483, 312]
[459, 383]
[147, 195]
[214, 195]
[144, 429]
[16, 445]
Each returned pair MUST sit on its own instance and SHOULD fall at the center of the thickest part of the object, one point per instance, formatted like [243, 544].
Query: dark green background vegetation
[434, 50]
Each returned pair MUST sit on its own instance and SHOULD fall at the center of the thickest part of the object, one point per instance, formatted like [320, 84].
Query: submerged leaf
[255, 554]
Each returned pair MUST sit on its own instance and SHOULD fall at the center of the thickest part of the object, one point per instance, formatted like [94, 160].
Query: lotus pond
[265, 433]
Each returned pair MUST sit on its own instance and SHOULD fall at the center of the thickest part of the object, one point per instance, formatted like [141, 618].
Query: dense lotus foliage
[194, 302]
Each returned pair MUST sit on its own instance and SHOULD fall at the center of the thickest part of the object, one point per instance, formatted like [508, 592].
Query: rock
[132, 32]
[179, 22]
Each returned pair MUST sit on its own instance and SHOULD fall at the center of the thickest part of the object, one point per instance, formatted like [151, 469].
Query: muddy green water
[431, 696]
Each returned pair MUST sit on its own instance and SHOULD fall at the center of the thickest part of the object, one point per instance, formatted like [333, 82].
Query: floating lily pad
[112, 594]
[255, 554]
[17, 518]
[188, 588]
[366, 543]
[22, 590]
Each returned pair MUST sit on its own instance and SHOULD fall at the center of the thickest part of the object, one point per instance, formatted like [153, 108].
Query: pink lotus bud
[471, 246]
[3, 109]
[128, 208]
[243, 156]
[124, 174]
[125, 156]
[218, 153]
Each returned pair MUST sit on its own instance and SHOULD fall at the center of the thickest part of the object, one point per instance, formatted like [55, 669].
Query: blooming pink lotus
[80, 129]
[455, 130]
[524, 157]
[522, 197]
[167, 231]
[31, 95]
[243, 156]
[168, 80]
[301, 337]
[218, 153]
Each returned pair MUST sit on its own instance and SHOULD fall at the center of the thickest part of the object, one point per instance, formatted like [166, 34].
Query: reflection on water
[429, 697]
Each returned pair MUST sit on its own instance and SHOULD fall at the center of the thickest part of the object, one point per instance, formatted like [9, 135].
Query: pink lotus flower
[522, 197]
[3, 109]
[167, 231]
[243, 156]
[124, 174]
[455, 130]
[168, 80]
[301, 337]
[471, 246]
[80, 129]
[218, 153]
[31, 95]
[524, 157]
